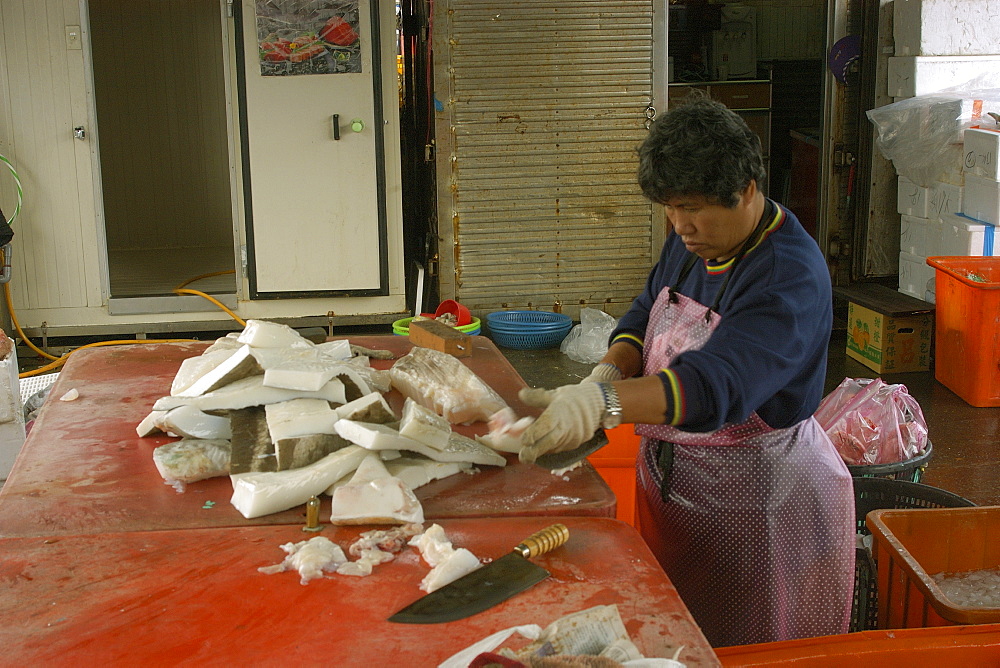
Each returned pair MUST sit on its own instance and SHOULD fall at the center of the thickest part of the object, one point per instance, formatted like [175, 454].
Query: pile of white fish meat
[287, 419]
[319, 555]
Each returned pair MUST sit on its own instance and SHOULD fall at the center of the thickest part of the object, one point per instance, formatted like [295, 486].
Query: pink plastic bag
[871, 422]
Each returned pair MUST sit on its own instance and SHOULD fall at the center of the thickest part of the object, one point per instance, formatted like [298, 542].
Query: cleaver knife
[487, 585]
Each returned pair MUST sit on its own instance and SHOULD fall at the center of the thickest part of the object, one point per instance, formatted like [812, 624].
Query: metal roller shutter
[542, 104]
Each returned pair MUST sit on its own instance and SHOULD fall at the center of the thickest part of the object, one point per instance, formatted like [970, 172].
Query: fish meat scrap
[311, 558]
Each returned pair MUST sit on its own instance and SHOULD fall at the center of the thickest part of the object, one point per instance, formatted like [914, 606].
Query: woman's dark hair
[699, 148]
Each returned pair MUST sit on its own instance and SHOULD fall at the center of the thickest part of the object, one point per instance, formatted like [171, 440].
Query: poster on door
[308, 37]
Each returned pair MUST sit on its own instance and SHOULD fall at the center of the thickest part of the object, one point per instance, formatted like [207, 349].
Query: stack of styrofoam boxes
[936, 47]
[981, 201]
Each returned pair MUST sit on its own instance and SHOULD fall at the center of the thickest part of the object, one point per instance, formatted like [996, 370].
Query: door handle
[336, 127]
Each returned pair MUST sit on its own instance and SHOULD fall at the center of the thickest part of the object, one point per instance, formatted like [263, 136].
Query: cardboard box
[887, 331]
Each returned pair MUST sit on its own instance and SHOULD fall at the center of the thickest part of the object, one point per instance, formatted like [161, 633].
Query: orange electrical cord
[59, 361]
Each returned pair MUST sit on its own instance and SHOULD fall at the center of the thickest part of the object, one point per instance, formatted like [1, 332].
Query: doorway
[160, 97]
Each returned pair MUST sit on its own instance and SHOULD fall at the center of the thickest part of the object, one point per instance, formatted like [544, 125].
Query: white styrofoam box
[918, 236]
[981, 150]
[911, 199]
[961, 235]
[910, 76]
[981, 199]
[11, 414]
[945, 27]
[914, 272]
[942, 198]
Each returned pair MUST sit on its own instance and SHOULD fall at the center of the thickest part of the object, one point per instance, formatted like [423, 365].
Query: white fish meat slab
[258, 494]
[372, 407]
[237, 366]
[356, 383]
[195, 367]
[190, 460]
[336, 350]
[424, 425]
[189, 422]
[294, 368]
[150, 424]
[447, 563]
[311, 558]
[267, 334]
[230, 341]
[250, 392]
[445, 385]
[505, 431]
[300, 417]
[460, 562]
[416, 473]
[380, 437]
[374, 497]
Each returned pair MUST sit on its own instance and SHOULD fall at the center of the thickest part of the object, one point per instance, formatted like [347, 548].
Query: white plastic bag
[588, 341]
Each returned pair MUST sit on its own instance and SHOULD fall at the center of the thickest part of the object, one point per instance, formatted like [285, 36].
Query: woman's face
[708, 229]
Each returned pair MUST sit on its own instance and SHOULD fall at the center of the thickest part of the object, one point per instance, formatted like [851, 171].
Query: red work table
[83, 469]
[195, 596]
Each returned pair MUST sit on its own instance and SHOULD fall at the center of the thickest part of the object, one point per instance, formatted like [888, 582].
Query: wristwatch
[612, 406]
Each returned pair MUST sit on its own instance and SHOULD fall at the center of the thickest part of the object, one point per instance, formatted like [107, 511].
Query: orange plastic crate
[976, 645]
[967, 327]
[615, 462]
[912, 545]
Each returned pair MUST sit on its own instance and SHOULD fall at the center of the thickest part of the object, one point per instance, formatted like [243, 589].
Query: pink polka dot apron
[753, 525]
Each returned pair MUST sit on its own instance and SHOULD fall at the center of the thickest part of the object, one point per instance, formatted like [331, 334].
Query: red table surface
[83, 469]
[195, 596]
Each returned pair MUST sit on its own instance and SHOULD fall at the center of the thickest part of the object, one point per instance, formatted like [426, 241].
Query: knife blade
[561, 460]
[488, 585]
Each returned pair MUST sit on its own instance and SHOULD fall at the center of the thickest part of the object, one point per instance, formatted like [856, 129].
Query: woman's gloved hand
[572, 414]
[605, 372]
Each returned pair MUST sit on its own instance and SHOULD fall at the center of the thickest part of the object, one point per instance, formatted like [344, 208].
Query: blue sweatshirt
[769, 351]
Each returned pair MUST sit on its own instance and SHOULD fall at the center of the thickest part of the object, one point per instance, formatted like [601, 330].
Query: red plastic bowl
[453, 307]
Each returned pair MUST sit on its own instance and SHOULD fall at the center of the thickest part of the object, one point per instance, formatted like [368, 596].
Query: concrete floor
[966, 440]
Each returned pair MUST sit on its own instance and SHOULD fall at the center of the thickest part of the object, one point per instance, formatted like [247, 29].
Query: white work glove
[605, 372]
[572, 414]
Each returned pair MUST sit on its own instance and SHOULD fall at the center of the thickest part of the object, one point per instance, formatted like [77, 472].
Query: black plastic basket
[911, 470]
[871, 493]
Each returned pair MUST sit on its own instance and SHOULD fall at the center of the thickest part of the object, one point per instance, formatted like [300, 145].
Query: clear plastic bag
[923, 135]
[871, 422]
[588, 341]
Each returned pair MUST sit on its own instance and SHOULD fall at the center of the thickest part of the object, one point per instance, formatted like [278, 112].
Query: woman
[720, 362]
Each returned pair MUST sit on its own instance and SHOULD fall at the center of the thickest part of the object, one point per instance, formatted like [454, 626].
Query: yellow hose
[59, 361]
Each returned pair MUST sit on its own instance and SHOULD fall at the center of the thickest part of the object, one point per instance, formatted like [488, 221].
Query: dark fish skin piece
[252, 449]
[293, 453]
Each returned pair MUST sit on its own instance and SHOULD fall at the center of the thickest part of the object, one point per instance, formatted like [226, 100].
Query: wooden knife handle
[543, 541]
